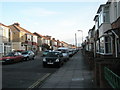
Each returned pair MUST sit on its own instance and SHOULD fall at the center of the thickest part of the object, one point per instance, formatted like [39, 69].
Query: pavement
[75, 73]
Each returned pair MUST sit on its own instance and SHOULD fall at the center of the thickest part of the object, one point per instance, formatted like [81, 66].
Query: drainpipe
[116, 48]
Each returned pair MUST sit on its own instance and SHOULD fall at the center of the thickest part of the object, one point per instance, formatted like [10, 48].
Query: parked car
[28, 55]
[45, 52]
[53, 58]
[12, 57]
[71, 52]
[65, 52]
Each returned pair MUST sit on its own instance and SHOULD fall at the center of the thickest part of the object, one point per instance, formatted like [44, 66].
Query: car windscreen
[26, 52]
[52, 54]
[10, 54]
[62, 50]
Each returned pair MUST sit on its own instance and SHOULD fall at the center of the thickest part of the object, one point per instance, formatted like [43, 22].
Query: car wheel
[33, 58]
[59, 65]
[27, 58]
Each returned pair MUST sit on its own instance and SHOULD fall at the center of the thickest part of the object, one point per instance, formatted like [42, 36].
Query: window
[97, 46]
[90, 47]
[108, 45]
[100, 18]
[102, 45]
[106, 17]
[1, 48]
[96, 25]
[105, 45]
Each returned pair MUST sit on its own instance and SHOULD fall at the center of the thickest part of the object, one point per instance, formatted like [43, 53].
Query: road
[24, 74]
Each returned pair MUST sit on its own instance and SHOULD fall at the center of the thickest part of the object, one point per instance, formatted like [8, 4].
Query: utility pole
[82, 35]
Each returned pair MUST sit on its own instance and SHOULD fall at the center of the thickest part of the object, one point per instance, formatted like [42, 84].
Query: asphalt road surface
[25, 74]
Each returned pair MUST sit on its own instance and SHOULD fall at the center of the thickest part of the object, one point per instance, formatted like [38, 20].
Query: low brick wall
[99, 72]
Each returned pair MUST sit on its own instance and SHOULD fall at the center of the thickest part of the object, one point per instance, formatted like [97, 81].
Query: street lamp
[82, 34]
[75, 39]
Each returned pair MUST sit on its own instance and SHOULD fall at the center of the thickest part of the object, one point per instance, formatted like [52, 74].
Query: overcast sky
[61, 20]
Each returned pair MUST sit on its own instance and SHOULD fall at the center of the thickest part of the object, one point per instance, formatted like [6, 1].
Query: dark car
[53, 58]
[46, 52]
[12, 57]
[28, 55]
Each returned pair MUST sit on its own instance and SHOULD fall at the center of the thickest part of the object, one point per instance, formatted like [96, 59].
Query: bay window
[105, 45]
[102, 47]
[108, 45]
[97, 46]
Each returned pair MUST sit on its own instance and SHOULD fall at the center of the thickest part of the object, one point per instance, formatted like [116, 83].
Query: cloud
[38, 12]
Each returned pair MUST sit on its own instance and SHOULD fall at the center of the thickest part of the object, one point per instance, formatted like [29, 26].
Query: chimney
[53, 38]
[17, 24]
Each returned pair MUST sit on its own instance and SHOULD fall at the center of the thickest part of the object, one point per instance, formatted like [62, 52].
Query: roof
[37, 34]
[18, 28]
[3, 25]
[99, 9]
[116, 31]
[96, 16]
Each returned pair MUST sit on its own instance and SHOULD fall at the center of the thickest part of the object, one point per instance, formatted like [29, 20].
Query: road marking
[38, 82]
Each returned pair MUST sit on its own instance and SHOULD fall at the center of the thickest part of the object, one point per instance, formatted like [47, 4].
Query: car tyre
[27, 58]
[33, 58]
[59, 65]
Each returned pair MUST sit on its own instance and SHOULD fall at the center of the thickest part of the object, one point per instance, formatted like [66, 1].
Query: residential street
[74, 74]
[81, 39]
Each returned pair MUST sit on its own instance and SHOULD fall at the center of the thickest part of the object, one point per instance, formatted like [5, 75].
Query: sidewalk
[73, 74]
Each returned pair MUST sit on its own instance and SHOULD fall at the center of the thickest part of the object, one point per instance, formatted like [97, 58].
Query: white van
[65, 52]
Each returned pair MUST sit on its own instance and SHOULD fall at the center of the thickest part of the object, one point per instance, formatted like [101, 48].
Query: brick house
[22, 38]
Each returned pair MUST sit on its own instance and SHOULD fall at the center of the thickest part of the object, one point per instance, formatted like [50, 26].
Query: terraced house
[22, 38]
[106, 34]
[5, 39]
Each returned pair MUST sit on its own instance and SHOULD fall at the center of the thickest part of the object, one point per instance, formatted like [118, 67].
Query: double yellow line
[38, 82]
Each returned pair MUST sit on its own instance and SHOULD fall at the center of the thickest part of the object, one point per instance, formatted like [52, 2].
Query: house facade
[106, 38]
[5, 39]
[22, 38]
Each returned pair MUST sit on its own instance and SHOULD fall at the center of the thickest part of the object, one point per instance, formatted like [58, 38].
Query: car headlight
[44, 59]
[8, 59]
[57, 60]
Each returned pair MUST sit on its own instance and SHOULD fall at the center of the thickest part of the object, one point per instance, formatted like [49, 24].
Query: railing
[112, 78]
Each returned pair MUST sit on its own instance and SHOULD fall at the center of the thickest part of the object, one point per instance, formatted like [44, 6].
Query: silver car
[65, 53]
[28, 55]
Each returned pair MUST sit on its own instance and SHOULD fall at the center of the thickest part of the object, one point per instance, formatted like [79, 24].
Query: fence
[112, 78]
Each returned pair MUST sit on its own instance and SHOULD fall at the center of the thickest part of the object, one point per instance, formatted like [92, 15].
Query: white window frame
[105, 46]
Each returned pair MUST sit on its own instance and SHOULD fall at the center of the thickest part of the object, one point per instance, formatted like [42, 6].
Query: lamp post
[75, 40]
[82, 34]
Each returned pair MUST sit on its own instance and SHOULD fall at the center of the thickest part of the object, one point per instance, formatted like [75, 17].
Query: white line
[38, 81]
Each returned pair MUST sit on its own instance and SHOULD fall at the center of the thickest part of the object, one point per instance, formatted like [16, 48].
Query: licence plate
[49, 63]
